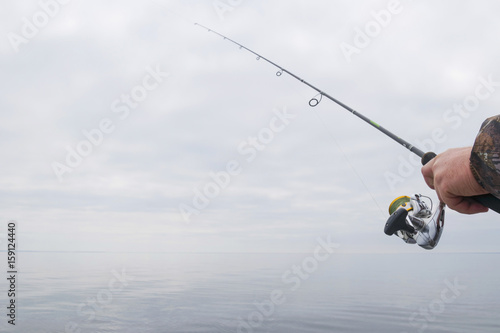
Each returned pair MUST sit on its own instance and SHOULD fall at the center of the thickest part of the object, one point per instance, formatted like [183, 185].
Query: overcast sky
[115, 116]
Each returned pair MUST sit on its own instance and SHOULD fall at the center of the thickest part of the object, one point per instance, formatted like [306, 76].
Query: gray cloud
[323, 174]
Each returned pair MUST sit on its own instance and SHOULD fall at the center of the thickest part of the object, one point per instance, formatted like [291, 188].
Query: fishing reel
[413, 221]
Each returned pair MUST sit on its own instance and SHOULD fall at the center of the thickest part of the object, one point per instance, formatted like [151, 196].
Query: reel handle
[487, 200]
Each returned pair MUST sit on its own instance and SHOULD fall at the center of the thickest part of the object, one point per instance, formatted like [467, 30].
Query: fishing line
[173, 13]
[349, 163]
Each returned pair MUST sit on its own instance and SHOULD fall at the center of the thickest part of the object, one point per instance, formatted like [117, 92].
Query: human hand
[450, 175]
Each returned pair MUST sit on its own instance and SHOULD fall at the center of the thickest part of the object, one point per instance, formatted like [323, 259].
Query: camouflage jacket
[485, 157]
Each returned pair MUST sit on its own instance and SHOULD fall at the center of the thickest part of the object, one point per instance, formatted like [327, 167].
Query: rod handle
[428, 157]
[487, 200]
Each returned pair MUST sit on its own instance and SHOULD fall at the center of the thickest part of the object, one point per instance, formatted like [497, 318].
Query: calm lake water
[109, 292]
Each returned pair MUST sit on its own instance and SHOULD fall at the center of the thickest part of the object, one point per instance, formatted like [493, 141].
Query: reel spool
[412, 220]
[401, 201]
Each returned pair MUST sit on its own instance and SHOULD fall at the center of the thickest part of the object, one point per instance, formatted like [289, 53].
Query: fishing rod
[410, 217]
[316, 100]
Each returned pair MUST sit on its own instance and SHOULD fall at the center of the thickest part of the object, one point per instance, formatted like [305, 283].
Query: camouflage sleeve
[485, 156]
